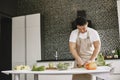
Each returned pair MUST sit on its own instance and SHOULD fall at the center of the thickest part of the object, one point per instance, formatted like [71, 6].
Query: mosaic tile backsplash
[57, 16]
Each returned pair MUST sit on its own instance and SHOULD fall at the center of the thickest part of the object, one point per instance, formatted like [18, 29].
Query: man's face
[82, 29]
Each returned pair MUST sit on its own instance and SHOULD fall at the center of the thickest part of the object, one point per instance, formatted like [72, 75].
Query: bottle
[115, 54]
[118, 52]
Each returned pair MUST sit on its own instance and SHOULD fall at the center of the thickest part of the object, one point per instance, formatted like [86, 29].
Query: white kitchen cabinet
[33, 47]
[26, 40]
[33, 39]
[18, 41]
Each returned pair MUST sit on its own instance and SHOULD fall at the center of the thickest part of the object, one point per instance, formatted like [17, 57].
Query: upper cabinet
[18, 40]
[33, 38]
[118, 9]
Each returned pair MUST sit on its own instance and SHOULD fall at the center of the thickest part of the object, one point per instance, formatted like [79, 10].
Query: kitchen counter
[98, 72]
[71, 60]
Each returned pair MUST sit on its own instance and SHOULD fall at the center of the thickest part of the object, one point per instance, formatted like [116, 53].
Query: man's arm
[73, 50]
[97, 46]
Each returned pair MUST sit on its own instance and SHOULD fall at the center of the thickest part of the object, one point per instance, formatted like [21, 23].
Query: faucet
[56, 55]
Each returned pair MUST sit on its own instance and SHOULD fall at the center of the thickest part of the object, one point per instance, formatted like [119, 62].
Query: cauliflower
[22, 67]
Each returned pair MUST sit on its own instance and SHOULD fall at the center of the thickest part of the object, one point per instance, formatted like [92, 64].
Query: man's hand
[73, 50]
[87, 62]
[80, 63]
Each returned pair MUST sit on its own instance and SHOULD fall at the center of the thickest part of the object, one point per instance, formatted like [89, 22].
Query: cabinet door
[33, 40]
[18, 41]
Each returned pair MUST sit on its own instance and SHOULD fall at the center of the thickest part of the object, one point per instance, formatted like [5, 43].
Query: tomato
[91, 66]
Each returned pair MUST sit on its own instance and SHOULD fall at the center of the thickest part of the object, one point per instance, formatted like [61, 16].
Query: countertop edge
[71, 60]
[55, 60]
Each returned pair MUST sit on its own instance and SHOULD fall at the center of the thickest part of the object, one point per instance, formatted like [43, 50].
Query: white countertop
[101, 69]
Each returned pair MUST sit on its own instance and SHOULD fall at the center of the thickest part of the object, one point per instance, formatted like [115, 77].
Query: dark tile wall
[8, 7]
[57, 16]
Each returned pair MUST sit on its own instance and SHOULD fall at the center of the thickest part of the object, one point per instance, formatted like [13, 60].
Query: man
[84, 45]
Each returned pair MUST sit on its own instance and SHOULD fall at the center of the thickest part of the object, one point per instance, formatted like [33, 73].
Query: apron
[84, 50]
